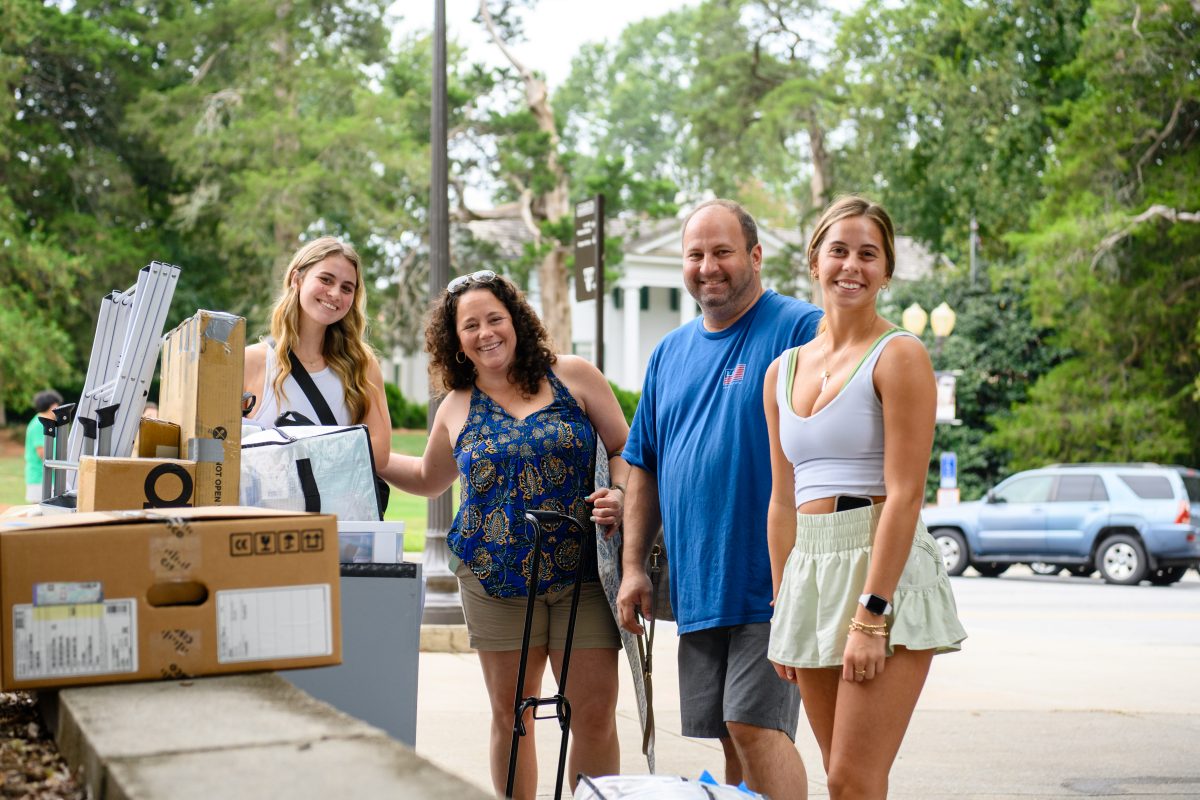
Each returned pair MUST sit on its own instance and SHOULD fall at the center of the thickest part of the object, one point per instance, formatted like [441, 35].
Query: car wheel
[953, 548]
[1122, 560]
[1081, 570]
[990, 569]
[1042, 568]
[1166, 575]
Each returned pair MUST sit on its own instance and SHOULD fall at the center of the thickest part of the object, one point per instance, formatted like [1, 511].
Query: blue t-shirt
[700, 430]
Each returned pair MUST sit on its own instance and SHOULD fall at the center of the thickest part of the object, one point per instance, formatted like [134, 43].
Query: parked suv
[1129, 521]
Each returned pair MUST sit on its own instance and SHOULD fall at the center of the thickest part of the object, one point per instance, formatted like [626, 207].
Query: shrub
[405, 413]
[627, 399]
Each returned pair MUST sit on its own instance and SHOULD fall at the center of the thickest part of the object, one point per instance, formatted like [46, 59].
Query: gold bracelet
[870, 630]
[868, 626]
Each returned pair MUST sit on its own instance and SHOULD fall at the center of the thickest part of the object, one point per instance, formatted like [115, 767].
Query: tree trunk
[821, 162]
[552, 205]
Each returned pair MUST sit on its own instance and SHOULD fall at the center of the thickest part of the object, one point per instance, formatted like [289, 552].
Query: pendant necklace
[824, 369]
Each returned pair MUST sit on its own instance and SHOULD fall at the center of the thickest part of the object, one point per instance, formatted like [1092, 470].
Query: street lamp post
[942, 319]
[442, 603]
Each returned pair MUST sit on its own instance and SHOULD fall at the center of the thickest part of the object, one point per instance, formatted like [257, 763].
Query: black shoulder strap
[311, 391]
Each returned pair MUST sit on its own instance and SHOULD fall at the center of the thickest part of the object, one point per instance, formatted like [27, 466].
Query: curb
[444, 639]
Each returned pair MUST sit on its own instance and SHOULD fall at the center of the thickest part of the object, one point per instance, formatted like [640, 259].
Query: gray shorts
[724, 676]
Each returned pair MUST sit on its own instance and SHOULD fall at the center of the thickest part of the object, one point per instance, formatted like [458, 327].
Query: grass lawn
[410, 508]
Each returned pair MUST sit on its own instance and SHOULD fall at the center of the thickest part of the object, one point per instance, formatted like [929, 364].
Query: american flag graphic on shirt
[734, 375]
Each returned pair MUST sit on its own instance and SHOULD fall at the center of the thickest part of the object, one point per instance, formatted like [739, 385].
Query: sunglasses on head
[463, 281]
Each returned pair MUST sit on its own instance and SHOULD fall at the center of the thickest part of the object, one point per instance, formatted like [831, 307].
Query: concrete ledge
[444, 639]
[233, 737]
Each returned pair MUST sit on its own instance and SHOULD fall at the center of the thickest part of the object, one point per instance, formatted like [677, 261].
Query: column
[687, 307]
[632, 310]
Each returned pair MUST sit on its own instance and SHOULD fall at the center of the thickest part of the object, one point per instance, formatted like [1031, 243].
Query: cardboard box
[370, 542]
[130, 596]
[157, 438]
[203, 362]
[111, 484]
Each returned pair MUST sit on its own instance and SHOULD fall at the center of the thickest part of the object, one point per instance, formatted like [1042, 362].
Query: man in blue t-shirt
[701, 467]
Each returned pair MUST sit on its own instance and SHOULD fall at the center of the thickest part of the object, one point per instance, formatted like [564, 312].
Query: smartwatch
[879, 606]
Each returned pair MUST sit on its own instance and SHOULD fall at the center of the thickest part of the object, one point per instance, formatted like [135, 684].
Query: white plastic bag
[311, 468]
[655, 787]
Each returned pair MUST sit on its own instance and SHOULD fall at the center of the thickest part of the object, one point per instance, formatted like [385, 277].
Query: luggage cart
[562, 706]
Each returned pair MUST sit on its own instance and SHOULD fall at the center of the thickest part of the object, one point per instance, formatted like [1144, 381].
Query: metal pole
[442, 603]
[600, 282]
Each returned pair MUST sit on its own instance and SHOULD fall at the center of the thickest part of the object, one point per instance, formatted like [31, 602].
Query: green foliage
[627, 399]
[405, 413]
[1000, 353]
[1116, 275]
[950, 110]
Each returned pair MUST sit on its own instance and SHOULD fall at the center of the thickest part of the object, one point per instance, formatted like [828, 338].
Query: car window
[1034, 489]
[1192, 484]
[1079, 488]
[1149, 487]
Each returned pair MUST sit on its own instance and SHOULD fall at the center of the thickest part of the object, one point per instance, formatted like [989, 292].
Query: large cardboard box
[203, 363]
[112, 484]
[107, 597]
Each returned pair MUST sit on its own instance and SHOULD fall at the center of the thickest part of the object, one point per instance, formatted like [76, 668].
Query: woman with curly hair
[518, 428]
[320, 319]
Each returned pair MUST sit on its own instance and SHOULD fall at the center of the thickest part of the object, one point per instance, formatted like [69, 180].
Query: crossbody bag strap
[305, 381]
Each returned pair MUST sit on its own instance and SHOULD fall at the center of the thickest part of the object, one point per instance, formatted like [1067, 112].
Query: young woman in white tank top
[862, 601]
[320, 316]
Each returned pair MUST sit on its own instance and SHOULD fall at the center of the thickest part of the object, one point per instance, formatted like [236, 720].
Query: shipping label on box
[113, 484]
[203, 364]
[141, 595]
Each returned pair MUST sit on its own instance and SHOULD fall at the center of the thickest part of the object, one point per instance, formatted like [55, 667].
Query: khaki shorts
[498, 623]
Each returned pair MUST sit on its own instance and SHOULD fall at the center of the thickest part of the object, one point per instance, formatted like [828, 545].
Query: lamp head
[942, 320]
[913, 319]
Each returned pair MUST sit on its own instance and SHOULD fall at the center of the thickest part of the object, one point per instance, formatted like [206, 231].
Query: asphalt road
[1067, 687]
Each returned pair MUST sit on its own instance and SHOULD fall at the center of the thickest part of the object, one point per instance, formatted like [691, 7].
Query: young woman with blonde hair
[320, 318]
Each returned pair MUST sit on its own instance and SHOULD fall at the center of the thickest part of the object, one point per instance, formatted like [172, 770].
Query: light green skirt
[824, 576]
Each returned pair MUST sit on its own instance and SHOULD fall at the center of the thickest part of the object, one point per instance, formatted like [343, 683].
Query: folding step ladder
[124, 354]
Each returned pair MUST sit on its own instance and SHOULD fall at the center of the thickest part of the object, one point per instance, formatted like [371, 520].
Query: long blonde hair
[345, 348]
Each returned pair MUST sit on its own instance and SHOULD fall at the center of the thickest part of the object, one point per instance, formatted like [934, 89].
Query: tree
[1113, 255]
[275, 133]
[733, 98]
[72, 218]
[1000, 353]
[949, 111]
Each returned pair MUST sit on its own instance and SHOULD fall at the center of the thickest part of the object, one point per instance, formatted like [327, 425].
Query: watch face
[875, 604]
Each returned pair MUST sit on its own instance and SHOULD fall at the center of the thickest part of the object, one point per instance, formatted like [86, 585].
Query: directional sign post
[948, 486]
[589, 262]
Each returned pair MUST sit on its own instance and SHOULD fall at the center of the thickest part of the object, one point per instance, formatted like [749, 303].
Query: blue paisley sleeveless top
[507, 465]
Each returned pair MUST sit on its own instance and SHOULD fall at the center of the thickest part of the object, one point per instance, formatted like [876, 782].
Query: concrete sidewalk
[1041, 703]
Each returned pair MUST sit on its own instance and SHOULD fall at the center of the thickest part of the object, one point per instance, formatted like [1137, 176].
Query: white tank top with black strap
[269, 406]
[839, 449]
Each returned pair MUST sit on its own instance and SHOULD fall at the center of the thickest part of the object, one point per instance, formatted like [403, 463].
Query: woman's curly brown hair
[533, 358]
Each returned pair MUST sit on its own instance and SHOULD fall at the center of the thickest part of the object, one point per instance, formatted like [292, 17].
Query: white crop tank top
[839, 449]
[269, 407]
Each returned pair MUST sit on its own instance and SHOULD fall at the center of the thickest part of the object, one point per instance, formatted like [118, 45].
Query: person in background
[699, 466]
[862, 600]
[44, 403]
[518, 428]
[320, 317]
